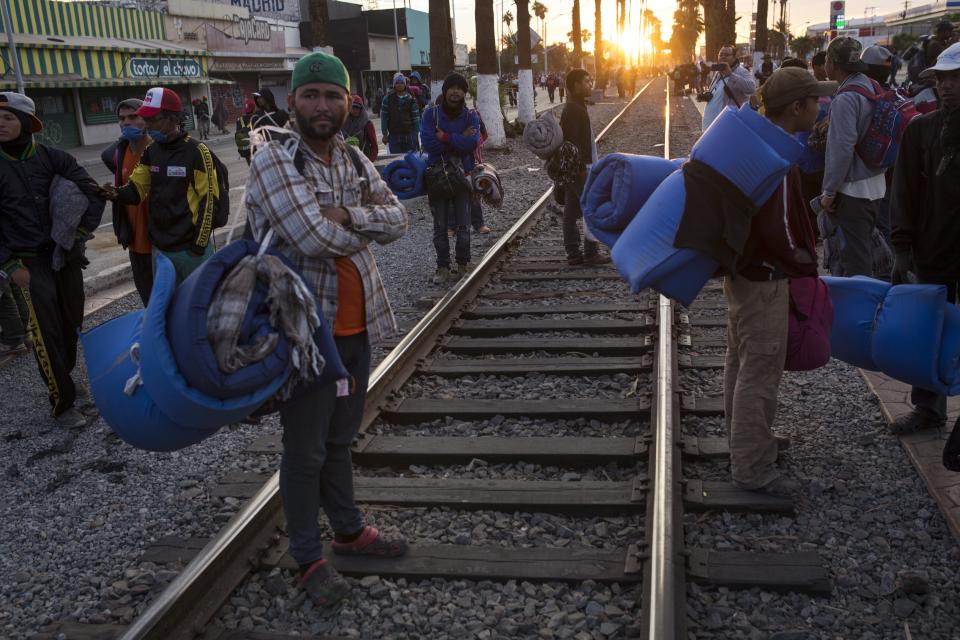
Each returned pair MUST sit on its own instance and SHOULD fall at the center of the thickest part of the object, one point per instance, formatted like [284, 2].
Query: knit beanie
[319, 67]
[399, 77]
[454, 79]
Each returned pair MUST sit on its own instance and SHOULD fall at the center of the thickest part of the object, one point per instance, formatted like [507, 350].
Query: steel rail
[664, 586]
[192, 598]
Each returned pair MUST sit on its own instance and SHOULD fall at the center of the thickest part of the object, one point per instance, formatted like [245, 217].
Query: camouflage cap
[845, 53]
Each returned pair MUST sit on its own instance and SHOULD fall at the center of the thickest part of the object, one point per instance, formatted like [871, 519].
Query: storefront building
[251, 44]
[79, 60]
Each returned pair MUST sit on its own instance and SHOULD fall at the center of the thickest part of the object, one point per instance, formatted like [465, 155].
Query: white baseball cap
[948, 60]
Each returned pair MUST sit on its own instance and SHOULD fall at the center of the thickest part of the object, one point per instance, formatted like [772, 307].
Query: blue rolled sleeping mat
[749, 151]
[191, 347]
[160, 412]
[909, 332]
[617, 186]
[405, 176]
[187, 332]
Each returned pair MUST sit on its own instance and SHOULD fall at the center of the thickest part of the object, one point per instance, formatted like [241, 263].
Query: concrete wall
[383, 54]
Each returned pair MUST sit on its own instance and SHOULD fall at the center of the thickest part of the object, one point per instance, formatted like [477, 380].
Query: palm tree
[318, 22]
[760, 43]
[488, 87]
[441, 44]
[574, 36]
[540, 10]
[720, 20]
[525, 111]
[687, 27]
[508, 18]
[598, 46]
[802, 45]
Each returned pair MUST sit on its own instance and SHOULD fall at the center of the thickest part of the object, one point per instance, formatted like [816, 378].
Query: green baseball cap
[320, 67]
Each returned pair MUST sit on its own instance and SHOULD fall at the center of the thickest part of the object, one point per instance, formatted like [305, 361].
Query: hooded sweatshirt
[362, 129]
[850, 115]
[272, 115]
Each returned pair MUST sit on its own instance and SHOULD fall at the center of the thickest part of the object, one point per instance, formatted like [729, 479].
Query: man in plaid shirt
[324, 214]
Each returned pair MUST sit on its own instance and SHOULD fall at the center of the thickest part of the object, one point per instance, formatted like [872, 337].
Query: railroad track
[516, 318]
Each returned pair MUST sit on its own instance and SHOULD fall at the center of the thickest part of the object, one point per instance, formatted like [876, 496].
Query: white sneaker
[71, 419]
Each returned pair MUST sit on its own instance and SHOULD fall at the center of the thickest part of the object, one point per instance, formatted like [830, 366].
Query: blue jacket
[457, 144]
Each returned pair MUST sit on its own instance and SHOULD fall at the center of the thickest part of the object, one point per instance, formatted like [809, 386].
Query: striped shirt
[279, 197]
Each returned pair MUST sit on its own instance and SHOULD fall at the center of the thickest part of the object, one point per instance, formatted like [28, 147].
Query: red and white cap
[159, 99]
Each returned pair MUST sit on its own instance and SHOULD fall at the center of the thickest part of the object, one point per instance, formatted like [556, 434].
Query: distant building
[872, 30]
[79, 59]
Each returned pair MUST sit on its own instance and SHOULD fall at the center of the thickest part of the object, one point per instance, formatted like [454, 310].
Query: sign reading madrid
[147, 67]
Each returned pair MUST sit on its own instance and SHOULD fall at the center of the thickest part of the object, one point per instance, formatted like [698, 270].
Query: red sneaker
[371, 543]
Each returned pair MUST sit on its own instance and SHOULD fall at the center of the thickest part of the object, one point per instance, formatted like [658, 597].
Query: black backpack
[221, 214]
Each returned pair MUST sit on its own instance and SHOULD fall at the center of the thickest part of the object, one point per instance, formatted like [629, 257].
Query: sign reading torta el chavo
[165, 67]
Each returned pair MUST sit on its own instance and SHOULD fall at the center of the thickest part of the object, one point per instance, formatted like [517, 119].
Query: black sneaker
[920, 419]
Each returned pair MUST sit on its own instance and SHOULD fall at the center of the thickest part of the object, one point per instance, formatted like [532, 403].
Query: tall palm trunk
[760, 43]
[488, 87]
[441, 44]
[318, 22]
[577, 43]
[598, 47]
[525, 112]
[719, 18]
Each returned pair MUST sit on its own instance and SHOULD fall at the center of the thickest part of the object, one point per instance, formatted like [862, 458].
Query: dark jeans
[14, 316]
[316, 470]
[857, 217]
[402, 142]
[55, 302]
[572, 214]
[924, 397]
[142, 266]
[551, 93]
[459, 209]
[476, 216]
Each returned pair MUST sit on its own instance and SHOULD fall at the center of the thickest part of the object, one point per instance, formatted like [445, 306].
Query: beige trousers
[756, 351]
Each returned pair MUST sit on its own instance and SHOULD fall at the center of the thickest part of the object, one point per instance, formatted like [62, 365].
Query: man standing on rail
[52, 289]
[326, 202]
[179, 175]
[130, 222]
[781, 245]
[575, 122]
[925, 213]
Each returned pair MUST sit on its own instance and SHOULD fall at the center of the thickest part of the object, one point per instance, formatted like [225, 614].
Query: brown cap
[792, 83]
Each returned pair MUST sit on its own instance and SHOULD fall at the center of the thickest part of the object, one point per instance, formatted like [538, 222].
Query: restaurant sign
[169, 67]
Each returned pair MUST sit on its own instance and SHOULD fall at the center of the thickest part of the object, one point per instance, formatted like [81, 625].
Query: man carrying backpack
[851, 187]
[925, 213]
[182, 178]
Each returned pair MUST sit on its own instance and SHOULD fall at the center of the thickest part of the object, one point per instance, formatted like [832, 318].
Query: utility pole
[8, 25]
[396, 34]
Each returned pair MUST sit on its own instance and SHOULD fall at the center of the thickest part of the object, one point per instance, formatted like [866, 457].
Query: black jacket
[575, 123]
[924, 206]
[25, 222]
[112, 158]
[183, 194]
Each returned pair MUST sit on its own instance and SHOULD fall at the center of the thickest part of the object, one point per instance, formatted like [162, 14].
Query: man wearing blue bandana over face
[130, 222]
[179, 175]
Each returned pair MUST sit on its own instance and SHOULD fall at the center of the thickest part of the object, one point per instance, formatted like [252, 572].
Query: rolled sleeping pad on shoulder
[190, 343]
[111, 354]
[908, 332]
[749, 150]
[162, 379]
[855, 304]
[405, 176]
[618, 185]
[645, 256]
[949, 365]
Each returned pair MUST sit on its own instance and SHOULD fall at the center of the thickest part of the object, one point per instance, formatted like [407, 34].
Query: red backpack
[810, 324]
[891, 114]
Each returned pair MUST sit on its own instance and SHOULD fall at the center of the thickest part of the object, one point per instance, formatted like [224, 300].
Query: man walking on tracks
[575, 122]
[39, 217]
[181, 177]
[325, 203]
[925, 213]
[781, 245]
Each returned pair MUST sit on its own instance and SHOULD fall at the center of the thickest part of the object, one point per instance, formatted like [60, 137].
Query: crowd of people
[324, 203]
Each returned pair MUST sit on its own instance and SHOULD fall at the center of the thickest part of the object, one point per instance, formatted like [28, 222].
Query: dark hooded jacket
[272, 115]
